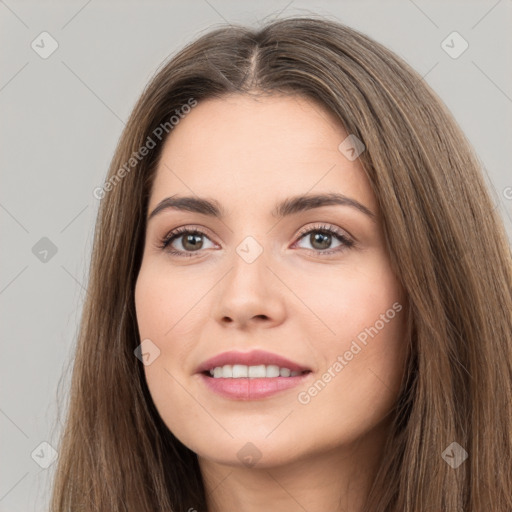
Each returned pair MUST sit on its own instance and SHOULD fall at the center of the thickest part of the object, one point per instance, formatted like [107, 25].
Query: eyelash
[322, 228]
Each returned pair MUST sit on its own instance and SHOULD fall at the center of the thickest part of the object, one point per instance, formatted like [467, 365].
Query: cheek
[358, 386]
[362, 353]
[166, 308]
[350, 302]
[166, 302]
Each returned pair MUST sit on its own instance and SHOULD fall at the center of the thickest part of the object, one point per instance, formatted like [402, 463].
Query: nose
[249, 294]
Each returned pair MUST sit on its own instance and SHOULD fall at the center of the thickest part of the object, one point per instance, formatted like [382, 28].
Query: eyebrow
[289, 206]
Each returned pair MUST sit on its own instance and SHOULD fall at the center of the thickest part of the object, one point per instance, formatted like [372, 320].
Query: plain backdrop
[61, 117]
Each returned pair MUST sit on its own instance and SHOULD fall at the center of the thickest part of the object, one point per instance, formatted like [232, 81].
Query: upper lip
[252, 358]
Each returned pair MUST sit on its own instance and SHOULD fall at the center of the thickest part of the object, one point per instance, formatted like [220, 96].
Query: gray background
[61, 119]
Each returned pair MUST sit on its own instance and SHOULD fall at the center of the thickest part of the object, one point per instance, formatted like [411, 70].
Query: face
[309, 283]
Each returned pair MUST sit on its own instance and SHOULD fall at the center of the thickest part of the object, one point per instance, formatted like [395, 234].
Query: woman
[299, 296]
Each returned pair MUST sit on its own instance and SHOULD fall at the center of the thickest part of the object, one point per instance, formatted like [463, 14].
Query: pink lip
[253, 358]
[250, 388]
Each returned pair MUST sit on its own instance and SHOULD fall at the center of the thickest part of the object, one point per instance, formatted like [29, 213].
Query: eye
[321, 238]
[190, 240]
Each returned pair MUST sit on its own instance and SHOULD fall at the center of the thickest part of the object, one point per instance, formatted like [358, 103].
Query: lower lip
[251, 389]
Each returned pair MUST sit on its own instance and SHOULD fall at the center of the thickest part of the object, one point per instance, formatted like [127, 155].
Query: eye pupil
[193, 240]
[323, 238]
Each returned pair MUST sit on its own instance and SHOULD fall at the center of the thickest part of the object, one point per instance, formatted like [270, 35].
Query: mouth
[241, 371]
[251, 375]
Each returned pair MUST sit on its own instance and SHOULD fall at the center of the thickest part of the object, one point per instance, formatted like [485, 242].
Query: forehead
[241, 148]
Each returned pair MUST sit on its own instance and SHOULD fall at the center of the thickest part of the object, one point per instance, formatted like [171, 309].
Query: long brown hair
[447, 245]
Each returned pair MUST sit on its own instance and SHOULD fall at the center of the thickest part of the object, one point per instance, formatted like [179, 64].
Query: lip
[252, 358]
[251, 389]
[246, 388]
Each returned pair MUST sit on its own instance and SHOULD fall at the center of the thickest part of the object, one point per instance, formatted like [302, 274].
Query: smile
[250, 375]
[239, 371]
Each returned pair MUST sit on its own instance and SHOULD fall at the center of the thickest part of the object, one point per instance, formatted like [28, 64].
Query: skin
[248, 153]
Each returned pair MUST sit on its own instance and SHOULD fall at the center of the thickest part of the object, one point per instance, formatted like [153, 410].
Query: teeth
[218, 372]
[272, 370]
[238, 371]
[257, 371]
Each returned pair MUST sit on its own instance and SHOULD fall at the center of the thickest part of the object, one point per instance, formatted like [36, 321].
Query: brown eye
[191, 241]
[321, 238]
